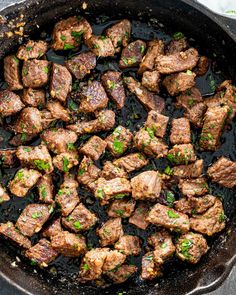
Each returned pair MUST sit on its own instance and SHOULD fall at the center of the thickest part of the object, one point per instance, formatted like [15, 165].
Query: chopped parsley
[16, 59]
[26, 149]
[23, 137]
[119, 196]
[100, 193]
[142, 49]
[111, 84]
[68, 46]
[163, 245]
[168, 170]
[170, 198]
[19, 175]
[172, 214]
[150, 132]
[63, 38]
[103, 37]
[77, 224]
[149, 257]
[212, 83]
[185, 246]
[36, 215]
[65, 164]
[81, 171]
[43, 191]
[189, 72]
[178, 35]
[46, 70]
[119, 212]
[41, 165]
[72, 106]
[85, 266]
[25, 71]
[222, 217]
[29, 48]
[118, 146]
[33, 262]
[95, 46]
[70, 146]
[77, 35]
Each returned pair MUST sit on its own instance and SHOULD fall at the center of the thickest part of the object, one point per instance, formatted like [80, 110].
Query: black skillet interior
[148, 20]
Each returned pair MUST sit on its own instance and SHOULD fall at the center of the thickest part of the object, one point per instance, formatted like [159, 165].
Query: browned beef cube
[36, 157]
[155, 48]
[223, 171]
[113, 188]
[138, 218]
[180, 131]
[146, 186]
[121, 208]
[129, 245]
[190, 247]
[188, 171]
[182, 154]
[35, 73]
[23, 180]
[67, 196]
[184, 205]
[132, 54]
[46, 189]
[150, 100]
[34, 97]
[196, 114]
[161, 215]
[88, 173]
[105, 121]
[113, 84]
[179, 82]
[119, 33]
[93, 97]
[177, 62]
[131, 162]
[8, 158]
[202, 66]
[214, 121]
[93, 148]
[60, 140]
[32, 49]
[81, 219]
[176, 46]
[157, 122]
[101, 46]
[46, 118]
[111, 171]
[81, 64]
[65, 161]
[110, 232]
[145, 141]
[68, 244]
[42, 253]
[12, 72]
[4, 197]
[58, 111]
[113, 260]
[22, 138]
[151, 80]
[193, 187]
[119, 141]
[32, 218]
[52, 229]
[67, 33]
[61, 82]
[122, 274]
[210, 222]
[189, 98]
[150, 269]
[10, 103]
[8, 231]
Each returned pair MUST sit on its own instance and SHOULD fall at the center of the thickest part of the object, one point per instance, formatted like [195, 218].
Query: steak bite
[113, 84]
[122, 274]
[23, 181]
[34, 97]
[138, 218]
[41, 253]
[12, 72]
[32, 218]
[161, 215]
[58, 111]
[150, 269]
[67, 196]
[68, 244]
[155, 48]
[223, 171]
[36, 157]
[119, 141]
[65, 161]
[35, 73]
[180, 131]
[176, 45]
[113, 188]
[93, 148]
[119, 34]
[81, 219]
[8, 158]
[81, 64]
[61, 82]
[113, 260]
[193, 187]
[202, 66]
[145, 141]
[157, 122]
[101, 46]
[214, 121]
[46, 189]
[194, 170]
[32, 49]
[93, 97]
[179, 82]
[67, 33]
[182, 154]
[189, 98]
[146, 186]
[150, 100]
[131, 162]
[129, 245]
[196, 114]
[10, 103]
[4, 197]
[132, 54]
[151, 80]
[191, 247]
[121, 208]
[111, 171]
[110, 232]
[59, 140]
[8, 231]
[52, 229]
[210, 222]
[177, 62]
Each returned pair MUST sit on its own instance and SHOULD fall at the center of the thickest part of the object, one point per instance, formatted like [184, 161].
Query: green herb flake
[95, 46]
[29, 48]
[43, 191]
[77, 35]
[142, 49]
[170, 198]
[19, 175]
[72, 106]
[65, 164]
[25, 71]
[100, 193]
[163, 245]
[33, 262]
[46, 70]
[178, 35]
[185, 246]
[63, 38]
[149, 258]
[189, 72]
[16, 59]
[85, 266]
[112, 85]
[77, 224]
[212, 83]
[125, 61]
[41, 165]
[119, 196]
[81, 171]
[118, 146]
[119, 212]
[36, 215]
[103, 37]
[26, 149]
[70, 146]
[172, 214]
[150, 132]
[68, 46]
[222, 217]
[168, 171]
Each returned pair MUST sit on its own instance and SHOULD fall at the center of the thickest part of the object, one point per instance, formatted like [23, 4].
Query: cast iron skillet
[212, 36]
